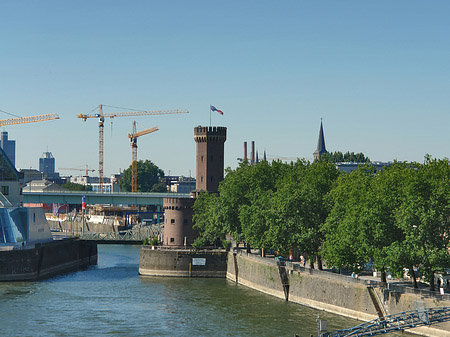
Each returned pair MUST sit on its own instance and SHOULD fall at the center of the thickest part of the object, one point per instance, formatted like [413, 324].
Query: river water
[111, 299]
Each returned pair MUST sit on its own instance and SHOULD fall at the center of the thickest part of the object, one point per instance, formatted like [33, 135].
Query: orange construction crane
[101, 118]
[133, 139]
[31, 119]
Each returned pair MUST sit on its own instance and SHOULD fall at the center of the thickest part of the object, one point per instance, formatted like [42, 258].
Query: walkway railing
[132, 235]
[397, 322]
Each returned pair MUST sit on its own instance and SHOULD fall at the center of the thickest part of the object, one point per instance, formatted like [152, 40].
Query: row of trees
[271, 206]
[339, 157]
[396, 218]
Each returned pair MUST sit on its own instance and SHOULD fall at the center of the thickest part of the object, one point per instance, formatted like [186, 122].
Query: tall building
[320, 144]
[178, 225]
[8, 147]
[47, 164]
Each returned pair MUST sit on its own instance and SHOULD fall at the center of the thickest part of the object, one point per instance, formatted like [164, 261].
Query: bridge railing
[134, 234]
[396, 322]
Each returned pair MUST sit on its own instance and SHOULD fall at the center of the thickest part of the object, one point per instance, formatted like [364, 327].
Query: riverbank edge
[326, 292]
[46, 260]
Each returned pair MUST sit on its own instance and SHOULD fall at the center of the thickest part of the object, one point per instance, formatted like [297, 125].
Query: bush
[154, 241]
[226, 244]
[199, 243]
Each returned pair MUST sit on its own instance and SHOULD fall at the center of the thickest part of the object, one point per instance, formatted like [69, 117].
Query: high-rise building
[47, 166]
[8, 147]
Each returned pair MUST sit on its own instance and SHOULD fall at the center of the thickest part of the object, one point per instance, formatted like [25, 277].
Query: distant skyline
[377, 72]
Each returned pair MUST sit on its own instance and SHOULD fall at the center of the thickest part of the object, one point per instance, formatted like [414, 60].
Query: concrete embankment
[182, 262]
[46, 260]
[360, 299]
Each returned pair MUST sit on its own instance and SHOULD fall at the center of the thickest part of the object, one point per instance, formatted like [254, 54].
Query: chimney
[245, 150]
[252, 153]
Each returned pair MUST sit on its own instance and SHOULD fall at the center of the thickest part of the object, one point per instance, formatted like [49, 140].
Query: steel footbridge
[397, 322]
[130, 236]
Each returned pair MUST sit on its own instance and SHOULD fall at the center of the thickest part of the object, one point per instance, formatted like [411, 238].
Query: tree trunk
[413, 275]
[319, 263]
[383, 275]
[311, 262]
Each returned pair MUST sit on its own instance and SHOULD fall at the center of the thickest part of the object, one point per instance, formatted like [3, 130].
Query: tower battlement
[210, 134]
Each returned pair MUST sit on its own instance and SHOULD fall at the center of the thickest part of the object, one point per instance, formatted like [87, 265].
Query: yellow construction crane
[31, 119]
[101, 118]
[86, 170]
[133, 139]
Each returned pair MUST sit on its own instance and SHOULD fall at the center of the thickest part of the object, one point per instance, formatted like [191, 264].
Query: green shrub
[226, 244]
[154, 241]
[199, 243]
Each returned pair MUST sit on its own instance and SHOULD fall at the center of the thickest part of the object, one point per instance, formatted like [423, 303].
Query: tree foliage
[76, 187]
[269, 205]
[397, 218]
[149, 178]
[338, 157]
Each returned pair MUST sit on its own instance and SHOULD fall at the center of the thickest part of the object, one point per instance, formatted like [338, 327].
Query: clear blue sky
[378, 72]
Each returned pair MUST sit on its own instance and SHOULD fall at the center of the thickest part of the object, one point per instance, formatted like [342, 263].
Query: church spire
[320, 144]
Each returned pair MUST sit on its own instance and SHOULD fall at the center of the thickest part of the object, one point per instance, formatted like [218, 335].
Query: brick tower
[178, 223]
[210, 157]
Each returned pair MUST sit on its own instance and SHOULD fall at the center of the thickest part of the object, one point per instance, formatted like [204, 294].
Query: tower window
[172, 239]
[212, 178]
[202, 159]
[172, 221]
[201, 179]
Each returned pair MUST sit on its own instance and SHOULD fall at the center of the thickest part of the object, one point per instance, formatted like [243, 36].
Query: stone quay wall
[46, 260]
[182, 262]
[343, 295]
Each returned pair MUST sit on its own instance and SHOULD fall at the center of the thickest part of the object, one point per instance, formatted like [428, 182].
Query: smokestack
[245, 150]
[252, 153]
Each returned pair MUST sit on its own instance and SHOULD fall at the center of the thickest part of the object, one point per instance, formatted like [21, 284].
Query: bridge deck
[92, 198]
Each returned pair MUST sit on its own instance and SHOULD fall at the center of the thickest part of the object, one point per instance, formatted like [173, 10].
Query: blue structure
[8, 146]
[47, 164]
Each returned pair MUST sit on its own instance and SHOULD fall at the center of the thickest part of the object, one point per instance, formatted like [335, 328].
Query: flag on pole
[213, 108]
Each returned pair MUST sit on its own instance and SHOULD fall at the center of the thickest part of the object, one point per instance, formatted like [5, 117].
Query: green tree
[424, 217]
[76, 187]
[207, 217]
[344, 227]
[148, 175]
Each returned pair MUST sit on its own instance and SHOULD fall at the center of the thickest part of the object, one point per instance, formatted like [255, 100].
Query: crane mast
[133, 139]
[101, 117]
